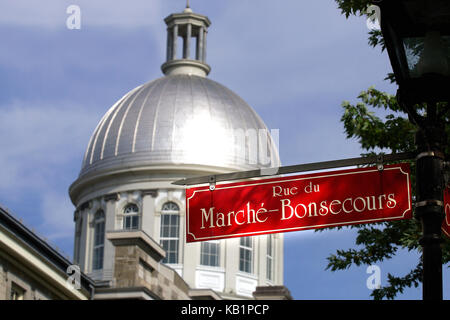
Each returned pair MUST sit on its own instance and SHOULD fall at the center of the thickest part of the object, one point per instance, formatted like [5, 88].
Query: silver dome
[179, 119]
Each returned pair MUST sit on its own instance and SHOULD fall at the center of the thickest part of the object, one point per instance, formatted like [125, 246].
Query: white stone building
[180, 125]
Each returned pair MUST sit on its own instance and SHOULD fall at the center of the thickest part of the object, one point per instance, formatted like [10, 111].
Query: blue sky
[293, 61]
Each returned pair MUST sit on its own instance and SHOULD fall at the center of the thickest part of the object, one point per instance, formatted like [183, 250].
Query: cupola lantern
[192, 28]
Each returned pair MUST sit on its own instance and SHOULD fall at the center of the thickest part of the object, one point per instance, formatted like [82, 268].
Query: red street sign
[300, 202]
[446, 222]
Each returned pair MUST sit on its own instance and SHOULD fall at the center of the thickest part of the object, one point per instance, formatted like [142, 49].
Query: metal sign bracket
[378, 160]
[212, 183]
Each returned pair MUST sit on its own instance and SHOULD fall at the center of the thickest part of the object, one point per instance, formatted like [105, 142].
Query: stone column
[148, 212]
[231, 264]
[174, 42]
[169, 45]
[190, 261]
[261, 258]
[84, 240]
[204, 46]
[187, 42]
[199, 53]
[77, 234]
[110, 221]
[279, 262]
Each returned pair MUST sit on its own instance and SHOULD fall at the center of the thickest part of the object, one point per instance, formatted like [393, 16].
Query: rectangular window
[171, 248]
[97, 263]
[17, 293]
[131, 222]
[210, 252]
[170, 236]
[99, 244]
[246, 254]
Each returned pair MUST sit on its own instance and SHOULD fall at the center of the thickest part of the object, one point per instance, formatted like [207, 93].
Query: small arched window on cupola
[131, 217]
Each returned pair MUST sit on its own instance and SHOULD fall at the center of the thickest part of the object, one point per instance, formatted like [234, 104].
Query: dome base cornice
[186, 66]
[109, 181]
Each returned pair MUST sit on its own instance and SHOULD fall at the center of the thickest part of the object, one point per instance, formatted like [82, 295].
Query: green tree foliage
[393, 132]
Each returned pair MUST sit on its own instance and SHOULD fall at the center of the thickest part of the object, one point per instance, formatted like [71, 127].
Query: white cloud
[57, 216]
[39, 139]
[275, 53]
[40, 143]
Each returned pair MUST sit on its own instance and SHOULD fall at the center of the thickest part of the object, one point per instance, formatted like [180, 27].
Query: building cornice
[25, 245]
[86, 187]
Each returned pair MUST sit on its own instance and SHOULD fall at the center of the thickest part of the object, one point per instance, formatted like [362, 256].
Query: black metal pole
[429, 203]
[429, 210]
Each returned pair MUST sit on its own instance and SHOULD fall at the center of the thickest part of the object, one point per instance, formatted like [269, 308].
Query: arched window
[99, 240]
[246, 254]
[269, 257]
[210, 253]
[131, 217]
[170, 231]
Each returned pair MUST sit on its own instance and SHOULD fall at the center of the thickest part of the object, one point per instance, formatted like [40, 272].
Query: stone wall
[2, 282]
[137, 265]
[14, 275]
